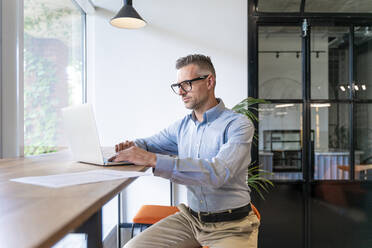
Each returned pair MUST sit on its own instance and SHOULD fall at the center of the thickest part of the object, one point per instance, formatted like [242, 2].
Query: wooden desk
[358, 168]
[35, 216]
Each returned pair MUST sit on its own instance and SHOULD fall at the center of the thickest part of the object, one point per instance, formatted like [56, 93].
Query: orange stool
[254, 209]
[150, 214]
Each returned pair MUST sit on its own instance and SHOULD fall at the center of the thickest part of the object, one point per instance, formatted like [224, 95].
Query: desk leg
[93, 228]
[118, 229]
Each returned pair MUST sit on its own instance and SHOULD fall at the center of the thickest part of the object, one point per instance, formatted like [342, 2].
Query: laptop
[81, 131]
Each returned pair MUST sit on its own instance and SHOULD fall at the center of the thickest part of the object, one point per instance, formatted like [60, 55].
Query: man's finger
[121, 146]
[112, 158]
[116, 148]
[118, 159]
[128, 144]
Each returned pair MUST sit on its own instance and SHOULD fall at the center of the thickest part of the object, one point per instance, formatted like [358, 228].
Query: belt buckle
[200, 215]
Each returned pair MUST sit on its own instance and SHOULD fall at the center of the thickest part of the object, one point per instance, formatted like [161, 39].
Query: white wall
[130, 76]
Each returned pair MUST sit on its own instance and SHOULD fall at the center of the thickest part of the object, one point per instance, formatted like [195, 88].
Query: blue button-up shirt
[212, 157]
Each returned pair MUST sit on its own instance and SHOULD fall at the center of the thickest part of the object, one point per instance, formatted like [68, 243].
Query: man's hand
[120, 147]
[123, 145]
[136, 156]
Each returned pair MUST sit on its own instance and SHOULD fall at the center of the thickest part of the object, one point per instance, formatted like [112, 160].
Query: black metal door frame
[256, 19]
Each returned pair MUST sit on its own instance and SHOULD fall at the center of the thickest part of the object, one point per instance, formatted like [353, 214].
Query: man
[212, 147]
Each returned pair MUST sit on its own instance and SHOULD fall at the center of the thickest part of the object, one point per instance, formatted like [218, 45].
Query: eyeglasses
[186, 85]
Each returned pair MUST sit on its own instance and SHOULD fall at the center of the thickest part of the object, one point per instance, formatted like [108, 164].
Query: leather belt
[228, 215]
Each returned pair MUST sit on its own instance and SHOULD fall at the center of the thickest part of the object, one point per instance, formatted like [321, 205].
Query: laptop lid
[81, 131]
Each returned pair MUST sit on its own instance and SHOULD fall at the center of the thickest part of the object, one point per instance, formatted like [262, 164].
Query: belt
[228, 215]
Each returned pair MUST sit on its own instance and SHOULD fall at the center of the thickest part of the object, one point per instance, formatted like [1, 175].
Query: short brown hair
[202, 61]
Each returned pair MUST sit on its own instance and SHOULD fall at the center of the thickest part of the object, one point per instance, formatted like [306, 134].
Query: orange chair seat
[150, 214]
[254, 209]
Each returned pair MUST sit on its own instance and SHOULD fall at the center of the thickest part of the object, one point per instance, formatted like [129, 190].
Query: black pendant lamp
[127, 17]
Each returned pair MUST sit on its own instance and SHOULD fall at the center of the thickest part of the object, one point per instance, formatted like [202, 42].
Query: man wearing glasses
[211, 148]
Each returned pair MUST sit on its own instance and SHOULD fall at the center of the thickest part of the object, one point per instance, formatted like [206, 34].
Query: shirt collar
[212, 113]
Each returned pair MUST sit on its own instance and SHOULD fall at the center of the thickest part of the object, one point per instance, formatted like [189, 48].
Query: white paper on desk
[70, 179]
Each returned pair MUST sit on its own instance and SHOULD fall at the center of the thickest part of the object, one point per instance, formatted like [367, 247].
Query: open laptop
[81, 131]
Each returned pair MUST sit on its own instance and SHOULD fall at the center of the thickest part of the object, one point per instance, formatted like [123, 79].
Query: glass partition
[363, 141]
[330, 63]
[363, 62]
[338, 6]
[330, 123]
[280, 140]
[329, 6]
[278, 6]
[280, 71]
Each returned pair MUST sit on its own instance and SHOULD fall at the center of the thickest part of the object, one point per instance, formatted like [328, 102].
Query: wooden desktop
[35, 216]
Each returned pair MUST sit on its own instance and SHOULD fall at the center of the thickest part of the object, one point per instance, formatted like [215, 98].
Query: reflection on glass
[330, 63]
[339, 6]
[52, 70]
[279, 6]
[330, 123]
[363, 62]
[280, 143]
[280, 73]
[363, 147]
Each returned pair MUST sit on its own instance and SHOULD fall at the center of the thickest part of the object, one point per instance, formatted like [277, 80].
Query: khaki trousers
[183, 230]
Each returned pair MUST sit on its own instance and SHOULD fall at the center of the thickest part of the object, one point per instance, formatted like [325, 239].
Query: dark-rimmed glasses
[186, 85]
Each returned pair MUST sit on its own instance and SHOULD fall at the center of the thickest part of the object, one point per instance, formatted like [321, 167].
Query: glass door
[314, 134]
[340, 103]
[317, 83]
[330, 101]
[363, 102]
[280, 83]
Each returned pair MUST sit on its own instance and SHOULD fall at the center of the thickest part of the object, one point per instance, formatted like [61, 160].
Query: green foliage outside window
[47, 25]
[40, 119]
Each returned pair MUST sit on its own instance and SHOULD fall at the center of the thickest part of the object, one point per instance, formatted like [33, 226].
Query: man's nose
[181, 92]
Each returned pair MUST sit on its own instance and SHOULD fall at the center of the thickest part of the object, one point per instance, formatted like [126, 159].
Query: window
[53, 70]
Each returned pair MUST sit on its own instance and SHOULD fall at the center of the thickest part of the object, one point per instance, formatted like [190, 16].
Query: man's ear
[210, 82]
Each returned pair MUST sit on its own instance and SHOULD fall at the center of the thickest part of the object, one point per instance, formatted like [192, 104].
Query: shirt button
[201, 201]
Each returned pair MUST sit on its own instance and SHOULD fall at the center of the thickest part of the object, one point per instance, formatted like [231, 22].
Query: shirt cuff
[164, 166]
[140, 144]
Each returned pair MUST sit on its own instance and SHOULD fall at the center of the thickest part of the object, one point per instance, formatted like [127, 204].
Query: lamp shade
[127, 17]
